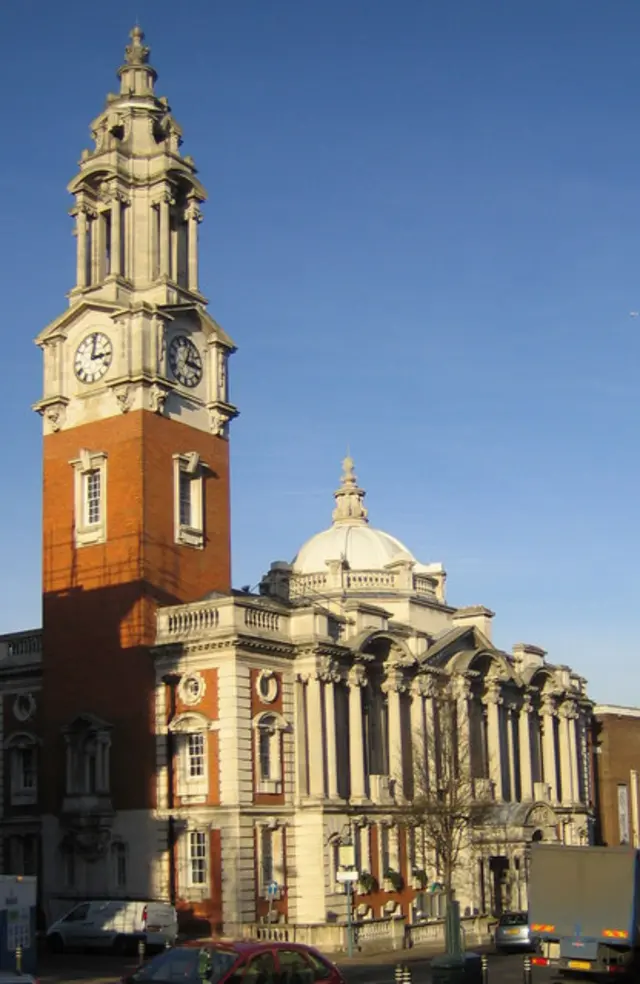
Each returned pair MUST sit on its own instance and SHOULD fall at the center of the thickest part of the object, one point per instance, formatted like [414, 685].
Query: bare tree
[448, 804]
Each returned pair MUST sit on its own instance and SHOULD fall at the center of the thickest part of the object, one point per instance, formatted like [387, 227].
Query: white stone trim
[192, 688]
[272, 835]
[20, 793]
[195, 837]
[271, 688]
[189, 467]
[272, 782]
[192, 752]
[87, 532]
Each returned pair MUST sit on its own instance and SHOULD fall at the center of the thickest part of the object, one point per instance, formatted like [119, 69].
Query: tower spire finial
[136, 53]
[349, 498]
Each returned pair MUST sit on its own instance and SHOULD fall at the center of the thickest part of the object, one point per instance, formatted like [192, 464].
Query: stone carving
[540, 816]
[157, 398]
[547, 704]
[492, 694]
[568, 710]
[55, 415]
[222, 376]
[357, 676]
[461, 688]
[394, 682]
[124, 396]
[327, 670]
[527, 704]
[218, 422]
[136, 53]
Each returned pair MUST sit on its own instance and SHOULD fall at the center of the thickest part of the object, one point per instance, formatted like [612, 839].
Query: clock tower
[135, 414]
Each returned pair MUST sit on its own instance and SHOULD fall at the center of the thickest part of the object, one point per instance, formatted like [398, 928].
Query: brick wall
[99, 601]
[616, 748]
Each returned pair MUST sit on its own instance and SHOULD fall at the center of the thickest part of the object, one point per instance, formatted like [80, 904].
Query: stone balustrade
[310, 585]
[21, 647]
[181, 623]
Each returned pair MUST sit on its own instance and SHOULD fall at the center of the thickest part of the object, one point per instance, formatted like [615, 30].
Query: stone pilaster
[493, 701]
[357, 680]
[548, 715]
[524, 745]
[394, 686]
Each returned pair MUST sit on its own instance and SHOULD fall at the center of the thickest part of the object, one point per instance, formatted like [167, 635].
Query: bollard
[398, 974]
[406, 976]
[19, 959]
[141, 950]
[484, 965]
[526, 973]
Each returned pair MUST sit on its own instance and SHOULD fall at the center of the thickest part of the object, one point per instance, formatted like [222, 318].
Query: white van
[114, 925]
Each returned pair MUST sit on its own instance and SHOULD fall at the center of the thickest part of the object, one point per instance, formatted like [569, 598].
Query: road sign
[272, 890]
[347, 876]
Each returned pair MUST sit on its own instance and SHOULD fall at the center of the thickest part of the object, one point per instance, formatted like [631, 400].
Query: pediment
[467, 638]
[209, 326]
[86, 722]
[60, 327]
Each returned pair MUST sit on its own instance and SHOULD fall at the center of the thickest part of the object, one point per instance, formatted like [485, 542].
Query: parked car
[114, 925]
[238, 963]
[513, 932]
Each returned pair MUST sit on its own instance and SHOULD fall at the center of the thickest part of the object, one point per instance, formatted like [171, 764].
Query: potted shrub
[419, 878]
[367, 883]
[393, 880]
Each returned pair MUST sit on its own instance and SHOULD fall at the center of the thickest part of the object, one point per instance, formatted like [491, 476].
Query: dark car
[513, 932]
[237, 963]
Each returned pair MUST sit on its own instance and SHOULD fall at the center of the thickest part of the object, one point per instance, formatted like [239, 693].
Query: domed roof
[350, 538]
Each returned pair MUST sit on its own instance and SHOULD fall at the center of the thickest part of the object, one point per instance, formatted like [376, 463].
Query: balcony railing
[21, 647]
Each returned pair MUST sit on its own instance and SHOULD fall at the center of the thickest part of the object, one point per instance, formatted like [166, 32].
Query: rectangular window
[196, 756]
[24, 774]
[119, 862]
[90, 498]
[188, 484]
[185, 499]
[265, 753]
[197, 858]
[266, 857]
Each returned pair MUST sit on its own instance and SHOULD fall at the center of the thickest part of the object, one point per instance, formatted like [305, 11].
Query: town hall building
[168, 737]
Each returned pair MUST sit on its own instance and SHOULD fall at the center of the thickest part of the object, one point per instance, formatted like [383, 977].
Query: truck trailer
[583, 912]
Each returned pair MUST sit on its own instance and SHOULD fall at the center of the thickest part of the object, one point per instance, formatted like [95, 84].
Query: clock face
[185, 361]
[93, 357]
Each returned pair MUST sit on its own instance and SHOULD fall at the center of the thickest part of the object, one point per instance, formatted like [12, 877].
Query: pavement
[362, 968]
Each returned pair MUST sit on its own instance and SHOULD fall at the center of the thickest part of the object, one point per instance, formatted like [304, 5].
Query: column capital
[492, 693]
[548, 705]
[327, 670]
[568, 709]
[461, 688]
[193, 211]
[394, 681]
[526, 703]
[427, 684]
[357, 676]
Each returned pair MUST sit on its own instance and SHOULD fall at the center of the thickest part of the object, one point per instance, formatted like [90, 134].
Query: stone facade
[616, 771]
[330, 684]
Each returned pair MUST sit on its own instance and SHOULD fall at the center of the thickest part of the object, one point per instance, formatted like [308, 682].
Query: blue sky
[423, 233]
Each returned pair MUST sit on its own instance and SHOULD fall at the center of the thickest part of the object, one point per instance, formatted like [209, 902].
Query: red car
[238, 963]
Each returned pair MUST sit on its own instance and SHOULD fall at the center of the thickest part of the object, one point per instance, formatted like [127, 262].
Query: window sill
[273, 786]
[195, 893]
[188, 536]
[87, 536]
[189, 797]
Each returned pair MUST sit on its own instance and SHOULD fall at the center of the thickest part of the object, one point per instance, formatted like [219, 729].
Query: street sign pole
[348, 877]
[272, 891]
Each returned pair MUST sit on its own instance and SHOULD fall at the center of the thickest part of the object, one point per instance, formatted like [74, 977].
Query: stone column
[96, 247]
[419, 762]
[116, 234]
[357, 679]
[430, 726]
[393, 686]
[165, 235]
[193, 216]
[548, 712]
[493, 700]
[524, 742]
[574, 758]
[566, 771]
[315, 745]
[330, 678]
[509, 710]
[462, 693]
[300, 737]
[81, 233]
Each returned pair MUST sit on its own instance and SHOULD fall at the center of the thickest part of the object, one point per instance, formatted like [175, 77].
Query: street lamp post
[347, 874]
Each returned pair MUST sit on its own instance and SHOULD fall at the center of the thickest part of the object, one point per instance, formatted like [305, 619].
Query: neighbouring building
[616, 771]
[166, 736]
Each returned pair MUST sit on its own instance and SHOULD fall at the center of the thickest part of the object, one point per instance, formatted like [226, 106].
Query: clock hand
[94, 342]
